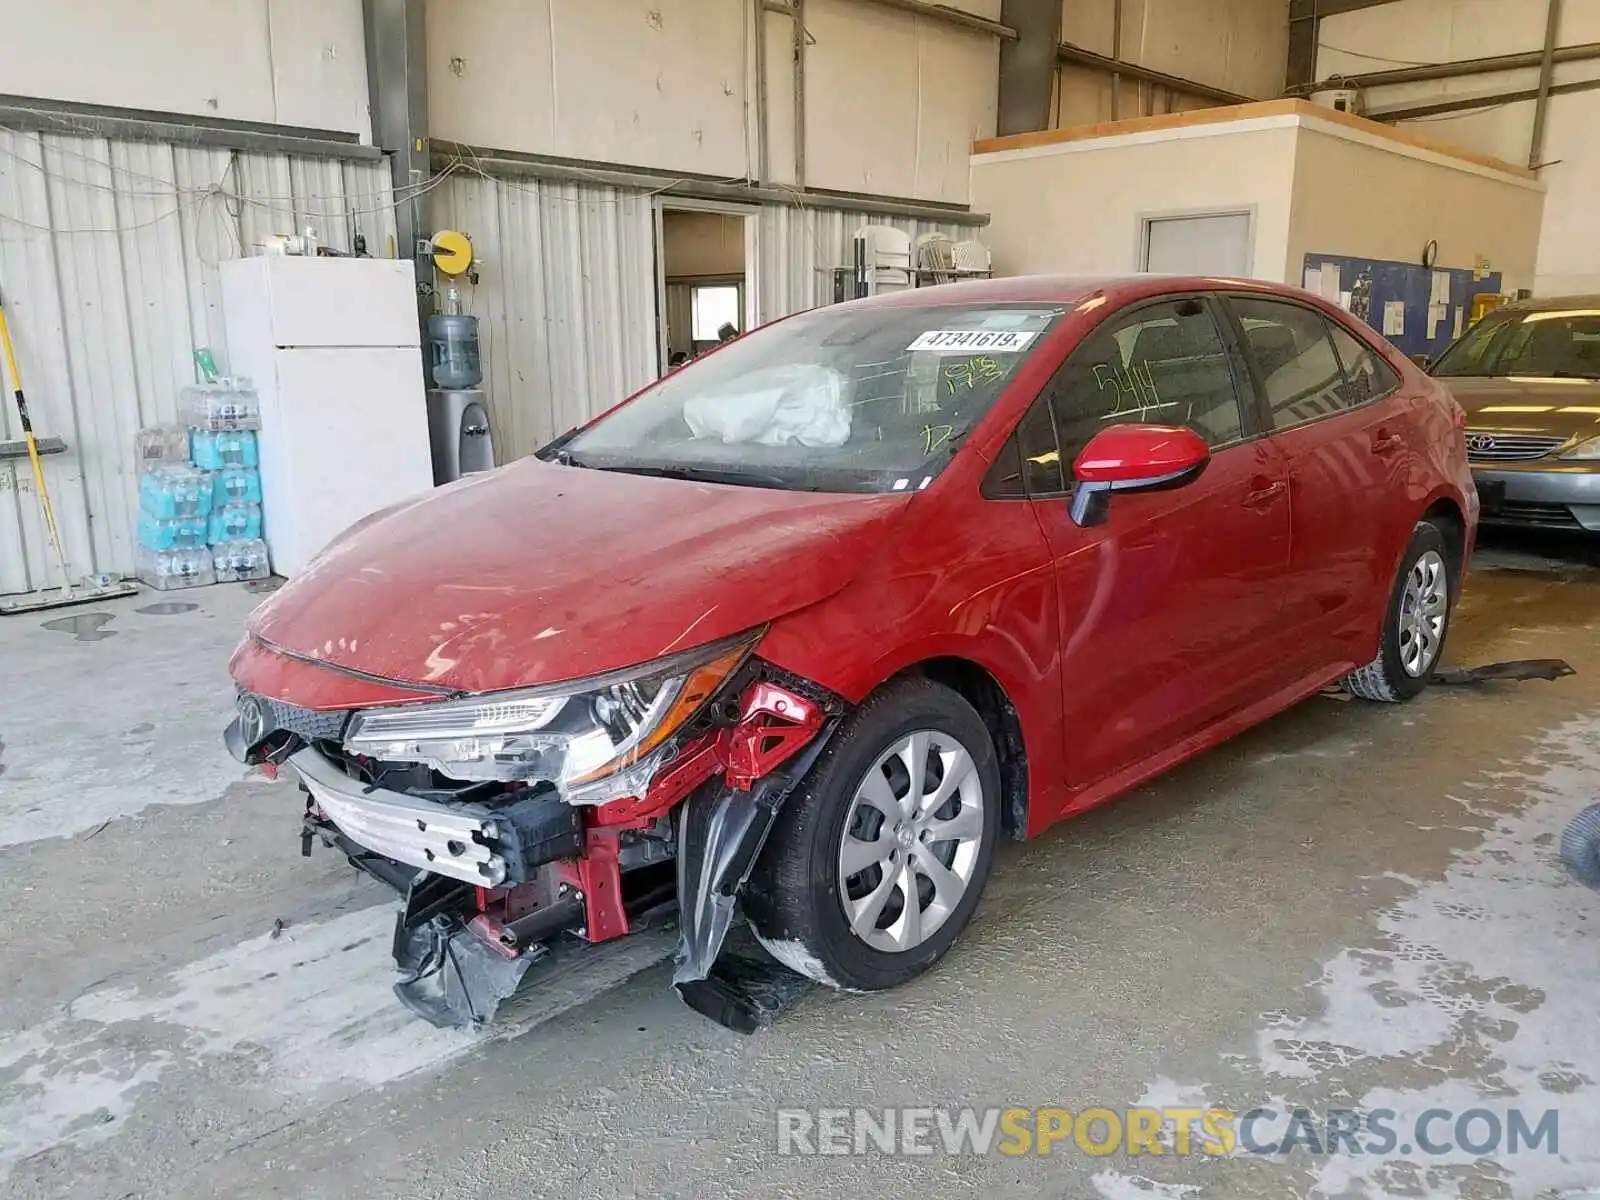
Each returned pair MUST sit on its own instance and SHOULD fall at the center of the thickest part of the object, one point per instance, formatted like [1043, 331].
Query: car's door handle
[1263, 496]
[1387, 443]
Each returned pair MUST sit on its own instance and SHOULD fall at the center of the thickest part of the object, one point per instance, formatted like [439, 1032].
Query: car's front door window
[1164, 363]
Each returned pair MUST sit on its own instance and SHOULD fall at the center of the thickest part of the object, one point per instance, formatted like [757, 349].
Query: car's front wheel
[1415, 623]
[878, 859]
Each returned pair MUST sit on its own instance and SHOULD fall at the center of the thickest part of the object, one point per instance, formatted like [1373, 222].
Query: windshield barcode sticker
[970, 341]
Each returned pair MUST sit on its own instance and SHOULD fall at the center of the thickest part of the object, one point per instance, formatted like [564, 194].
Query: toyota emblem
[252, 720]
[1480, 443]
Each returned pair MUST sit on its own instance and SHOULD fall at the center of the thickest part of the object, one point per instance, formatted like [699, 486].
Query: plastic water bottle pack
[215, 450]
[167, 570]
[175, 490]
[172, 533]
[235, 523]
[240, 560]
[236, 485]
[226, 404]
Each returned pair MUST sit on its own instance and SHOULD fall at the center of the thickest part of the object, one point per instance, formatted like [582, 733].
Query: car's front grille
[1484, 445]
[1544, 516]
[307, 723]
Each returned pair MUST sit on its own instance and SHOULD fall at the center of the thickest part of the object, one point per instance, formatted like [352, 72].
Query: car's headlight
[595, 739]
[1589, 449]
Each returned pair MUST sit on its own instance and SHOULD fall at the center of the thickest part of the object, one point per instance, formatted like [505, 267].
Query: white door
[1217, 244]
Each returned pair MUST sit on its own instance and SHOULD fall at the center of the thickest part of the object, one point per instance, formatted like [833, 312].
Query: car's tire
[1580, 846]
[796, 897]
[1415, 622]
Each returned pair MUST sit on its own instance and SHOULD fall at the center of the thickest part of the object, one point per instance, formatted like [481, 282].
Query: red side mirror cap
[1136, 456]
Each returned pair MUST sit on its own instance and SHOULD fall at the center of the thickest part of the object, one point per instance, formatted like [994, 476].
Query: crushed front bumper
[496, 891]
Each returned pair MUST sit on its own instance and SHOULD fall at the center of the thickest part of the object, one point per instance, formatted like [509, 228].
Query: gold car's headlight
[595, 739]
[1583, 451]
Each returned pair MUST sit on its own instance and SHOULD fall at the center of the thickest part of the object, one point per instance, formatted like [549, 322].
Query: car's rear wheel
[877, 861]
[1415, 623]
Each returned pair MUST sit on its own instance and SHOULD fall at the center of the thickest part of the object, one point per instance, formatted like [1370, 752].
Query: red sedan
[802, 629]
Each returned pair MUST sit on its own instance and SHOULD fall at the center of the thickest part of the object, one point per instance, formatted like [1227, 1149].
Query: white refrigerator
[333, 348]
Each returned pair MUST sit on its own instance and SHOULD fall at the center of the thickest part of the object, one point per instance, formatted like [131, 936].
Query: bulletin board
[1420, 309]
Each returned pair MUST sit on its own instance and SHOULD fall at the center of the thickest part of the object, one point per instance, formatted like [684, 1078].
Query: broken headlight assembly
[596, 740]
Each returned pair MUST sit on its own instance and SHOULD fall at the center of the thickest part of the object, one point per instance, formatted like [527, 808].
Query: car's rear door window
[1294, 358]
[1162, 363]
[1367, 377]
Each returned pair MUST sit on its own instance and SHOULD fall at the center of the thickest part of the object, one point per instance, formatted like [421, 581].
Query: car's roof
[1553, 303]
[1066, 289]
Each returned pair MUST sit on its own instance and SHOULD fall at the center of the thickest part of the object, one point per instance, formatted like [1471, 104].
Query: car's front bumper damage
[473, 843]
[500, 891]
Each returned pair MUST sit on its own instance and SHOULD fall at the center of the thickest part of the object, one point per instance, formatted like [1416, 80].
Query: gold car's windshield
[1561, 344]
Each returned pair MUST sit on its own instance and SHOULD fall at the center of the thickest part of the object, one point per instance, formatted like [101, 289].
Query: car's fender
[992, 602]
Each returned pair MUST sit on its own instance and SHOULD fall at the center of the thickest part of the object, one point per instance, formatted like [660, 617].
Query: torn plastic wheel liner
[721, 831]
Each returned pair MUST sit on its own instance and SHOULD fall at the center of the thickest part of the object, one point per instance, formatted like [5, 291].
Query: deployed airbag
[779, 406]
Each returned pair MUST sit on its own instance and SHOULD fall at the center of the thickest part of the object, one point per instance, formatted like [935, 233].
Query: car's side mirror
[1423, 360]
[1134, 458]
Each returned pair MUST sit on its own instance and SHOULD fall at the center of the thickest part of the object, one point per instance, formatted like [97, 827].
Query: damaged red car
[795, 635]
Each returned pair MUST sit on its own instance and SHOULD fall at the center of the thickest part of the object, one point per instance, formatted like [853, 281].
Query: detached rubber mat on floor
[1515, 670]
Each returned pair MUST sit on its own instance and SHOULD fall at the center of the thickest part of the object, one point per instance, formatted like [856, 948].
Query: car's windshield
[836, 399]
[1560, 344]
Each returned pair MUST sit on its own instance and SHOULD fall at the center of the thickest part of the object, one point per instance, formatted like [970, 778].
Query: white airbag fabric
[800, 403]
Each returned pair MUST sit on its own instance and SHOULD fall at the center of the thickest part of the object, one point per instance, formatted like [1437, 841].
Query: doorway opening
[703, 256]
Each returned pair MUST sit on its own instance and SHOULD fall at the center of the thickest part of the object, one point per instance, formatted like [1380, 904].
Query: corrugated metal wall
[799, 246]
[108, 265]
[566, 297]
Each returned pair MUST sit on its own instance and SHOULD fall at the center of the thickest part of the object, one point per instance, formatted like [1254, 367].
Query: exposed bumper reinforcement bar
[458, 842]
[468, 842]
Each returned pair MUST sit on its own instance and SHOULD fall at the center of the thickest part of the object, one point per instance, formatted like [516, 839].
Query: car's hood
[538, 573]
[1521, 404]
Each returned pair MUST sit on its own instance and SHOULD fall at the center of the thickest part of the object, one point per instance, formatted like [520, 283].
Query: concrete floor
[1352, 905]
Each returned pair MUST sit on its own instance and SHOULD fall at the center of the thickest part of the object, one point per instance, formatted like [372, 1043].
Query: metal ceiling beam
[942, 13]
[1462, 67]
[1335, 7]
[1547, 66]
[1078, 56]
[35, 114]
[1028, 66]
[510, 164]
[1435, 108]
[397, 80]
